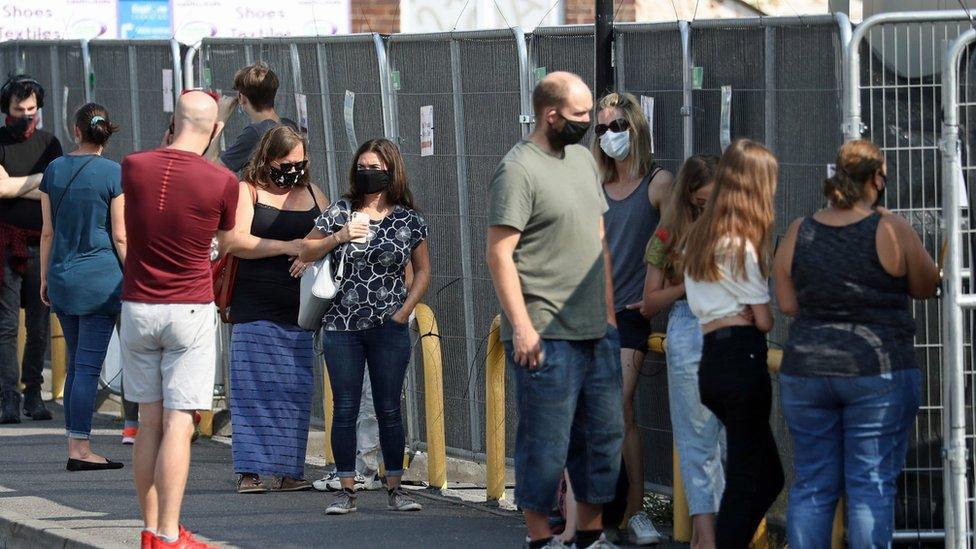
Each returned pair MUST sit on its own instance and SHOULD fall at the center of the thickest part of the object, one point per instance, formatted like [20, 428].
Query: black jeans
[735, 386]
[23, 290]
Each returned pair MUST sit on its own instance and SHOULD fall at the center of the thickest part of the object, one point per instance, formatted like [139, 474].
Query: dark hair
[398, 192]
[857, 162]
[20, 87]
[93, 123]
[259, 84]
[274, 145]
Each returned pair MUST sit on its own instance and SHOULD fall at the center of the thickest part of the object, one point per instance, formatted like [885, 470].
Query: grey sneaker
[400, 501]
[345, 502]
[642, 530]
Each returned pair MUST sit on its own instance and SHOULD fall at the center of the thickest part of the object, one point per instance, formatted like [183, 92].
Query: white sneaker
[371, 483]
[331, 483]
[328, 483]
[642, 530]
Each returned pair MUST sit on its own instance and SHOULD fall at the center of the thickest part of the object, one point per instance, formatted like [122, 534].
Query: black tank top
[263, 289]
[854, 317]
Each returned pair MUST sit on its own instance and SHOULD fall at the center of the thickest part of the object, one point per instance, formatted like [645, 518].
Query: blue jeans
[698, 434]
[850, 435]
[87, 340]
[570, 416]
[386, 349]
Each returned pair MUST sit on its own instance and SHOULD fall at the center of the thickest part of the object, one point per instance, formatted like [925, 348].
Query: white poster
[301, 107]
[725, 132]
[427, 130]
[348, 115]
[647, 105]
[196, 19]
[167, 90]
[58, 19]
[446, 15]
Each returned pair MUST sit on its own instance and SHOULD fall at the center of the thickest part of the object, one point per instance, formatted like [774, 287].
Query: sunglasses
[293, 166]
[618, 125]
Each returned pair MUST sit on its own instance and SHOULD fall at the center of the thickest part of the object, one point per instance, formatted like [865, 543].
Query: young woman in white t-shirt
[726, 266]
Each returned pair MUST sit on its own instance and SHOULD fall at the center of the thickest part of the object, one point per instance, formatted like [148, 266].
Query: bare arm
[608, 277]
[658, 296]
[420, 266]
[502, 241]
[47, 238]
[922, 271]
[762, 317]
[247, 246]
[782, 272]
[20, 187]
[659, 188]
[117, 213]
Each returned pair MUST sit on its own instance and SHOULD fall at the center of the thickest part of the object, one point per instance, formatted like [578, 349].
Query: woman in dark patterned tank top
[849, 381]
[366, 326]
[635, 188]
[271, 356]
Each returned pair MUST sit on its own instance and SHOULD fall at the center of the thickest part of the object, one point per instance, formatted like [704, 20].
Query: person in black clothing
[25, 151]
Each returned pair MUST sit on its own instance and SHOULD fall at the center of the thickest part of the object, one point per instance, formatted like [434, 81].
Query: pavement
[42, 505]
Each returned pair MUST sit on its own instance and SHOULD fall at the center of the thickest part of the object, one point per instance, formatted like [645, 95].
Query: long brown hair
[857, 163]
[697, 172]
[741, 207]
[274, 145]
[640, 138]
[398, 192]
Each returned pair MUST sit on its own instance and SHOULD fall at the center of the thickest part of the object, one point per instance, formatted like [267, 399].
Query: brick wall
[382, 16]
[581, 11]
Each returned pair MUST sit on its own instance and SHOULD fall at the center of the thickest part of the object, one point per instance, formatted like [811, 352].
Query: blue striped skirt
[271, 397]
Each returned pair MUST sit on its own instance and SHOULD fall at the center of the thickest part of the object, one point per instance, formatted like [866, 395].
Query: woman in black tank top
[849, 382]
[271, 356]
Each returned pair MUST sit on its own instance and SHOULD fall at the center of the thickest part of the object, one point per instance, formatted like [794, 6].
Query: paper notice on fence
[725, 133]
[167, 90]
[427, 130]
[831, 170]
[348, 110]
[963, 193]
[301, 107]
[647, 104]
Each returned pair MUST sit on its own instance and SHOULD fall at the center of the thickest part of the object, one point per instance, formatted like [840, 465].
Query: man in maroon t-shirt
[175, 201]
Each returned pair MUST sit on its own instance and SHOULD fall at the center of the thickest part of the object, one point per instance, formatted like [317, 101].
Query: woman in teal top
[82, 250]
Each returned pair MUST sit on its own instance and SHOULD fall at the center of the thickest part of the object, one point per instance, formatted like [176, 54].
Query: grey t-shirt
[557, 204]
[236, 156]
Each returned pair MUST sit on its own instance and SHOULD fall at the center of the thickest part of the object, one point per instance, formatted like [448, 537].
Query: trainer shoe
[400, 501]
[249, 483]
[345, 502]
[129, 435]
[554, 543]
[11, 407]
[601, 543]
[34, 405]
[146, 539]
[185, 541]
[368, 483]
[328, 483]
[642, 530]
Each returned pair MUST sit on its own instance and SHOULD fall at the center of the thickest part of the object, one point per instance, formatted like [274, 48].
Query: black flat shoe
[81, 465]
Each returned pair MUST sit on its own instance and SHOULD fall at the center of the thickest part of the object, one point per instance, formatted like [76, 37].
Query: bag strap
[57, 207]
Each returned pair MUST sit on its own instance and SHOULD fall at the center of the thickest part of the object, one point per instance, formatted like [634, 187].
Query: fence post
[134, 96]
[174, 48]
[89, 75]
[495, 414]
[330, 158]
[525, 92]
[687, 101]
[187, 82]
[430, 344]
[390, 122]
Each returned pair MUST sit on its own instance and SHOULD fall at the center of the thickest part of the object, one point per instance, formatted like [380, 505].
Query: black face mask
[372, 181]
[571, 134]
[287, 174]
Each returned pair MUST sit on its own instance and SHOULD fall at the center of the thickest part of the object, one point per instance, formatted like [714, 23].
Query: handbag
[319, 286]
[224, 272]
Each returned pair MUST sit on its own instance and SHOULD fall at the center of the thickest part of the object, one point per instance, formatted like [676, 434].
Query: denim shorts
[570, 416]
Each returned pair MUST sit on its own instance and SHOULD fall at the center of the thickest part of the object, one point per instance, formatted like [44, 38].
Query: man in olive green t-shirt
[551, 271]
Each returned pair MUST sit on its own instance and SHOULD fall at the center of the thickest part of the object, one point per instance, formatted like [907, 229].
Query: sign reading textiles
[196, 19]
[57, 19]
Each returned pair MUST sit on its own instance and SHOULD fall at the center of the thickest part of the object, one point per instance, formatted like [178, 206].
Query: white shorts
[169, 352]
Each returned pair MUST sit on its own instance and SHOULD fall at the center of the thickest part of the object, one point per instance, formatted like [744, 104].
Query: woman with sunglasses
[850, 384]
[271, 356]
[635, 187]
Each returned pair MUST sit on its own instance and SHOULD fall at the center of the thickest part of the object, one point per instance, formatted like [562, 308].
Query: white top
[731, 294]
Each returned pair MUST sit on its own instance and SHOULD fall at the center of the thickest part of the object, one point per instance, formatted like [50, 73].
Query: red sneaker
[129, 435]
[147, 539]
[186, 541]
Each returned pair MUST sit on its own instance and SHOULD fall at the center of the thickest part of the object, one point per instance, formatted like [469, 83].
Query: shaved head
[556, 89]
[196, 113]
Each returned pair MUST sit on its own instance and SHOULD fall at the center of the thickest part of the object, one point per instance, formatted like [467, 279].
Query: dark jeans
[734, 384]
[16, 291]
[386, 349]
[570, 415]
[87, 340]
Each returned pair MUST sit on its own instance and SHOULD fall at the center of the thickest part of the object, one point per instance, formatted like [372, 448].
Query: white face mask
[616, 144]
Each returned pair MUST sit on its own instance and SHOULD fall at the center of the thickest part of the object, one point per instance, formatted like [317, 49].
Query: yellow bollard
[774, 358]
[430, 344]
[59, 359]
[21, 344]
[206, 424]
[837, 536]
[495, 414]
[760, 540]
[327, 412]
[679, 502]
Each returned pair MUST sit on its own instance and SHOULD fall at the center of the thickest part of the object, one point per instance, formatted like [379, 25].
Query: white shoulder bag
[319, 286]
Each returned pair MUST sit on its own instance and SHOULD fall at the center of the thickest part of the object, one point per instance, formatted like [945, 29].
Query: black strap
[57, 207]
[314, 201]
